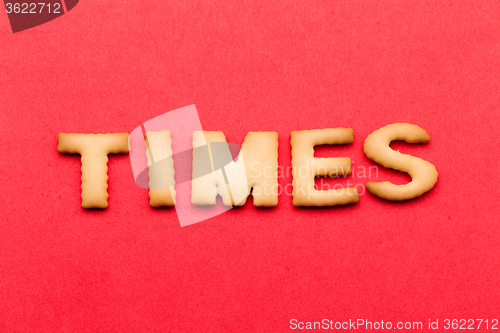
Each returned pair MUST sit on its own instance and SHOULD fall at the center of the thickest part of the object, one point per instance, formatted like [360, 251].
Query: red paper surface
[108, 66]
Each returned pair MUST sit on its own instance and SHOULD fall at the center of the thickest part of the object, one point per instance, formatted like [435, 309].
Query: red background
[108, 66]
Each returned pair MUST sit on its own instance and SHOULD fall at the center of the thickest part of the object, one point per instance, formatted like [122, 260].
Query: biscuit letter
[256, 168]
[94, 150]
[160, 168]
[424, 174]
[305, 167]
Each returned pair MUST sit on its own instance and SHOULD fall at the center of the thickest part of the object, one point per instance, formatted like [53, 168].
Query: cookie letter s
[424, 174]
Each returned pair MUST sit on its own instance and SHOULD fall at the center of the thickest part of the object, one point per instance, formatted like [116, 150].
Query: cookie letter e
[305, 167]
